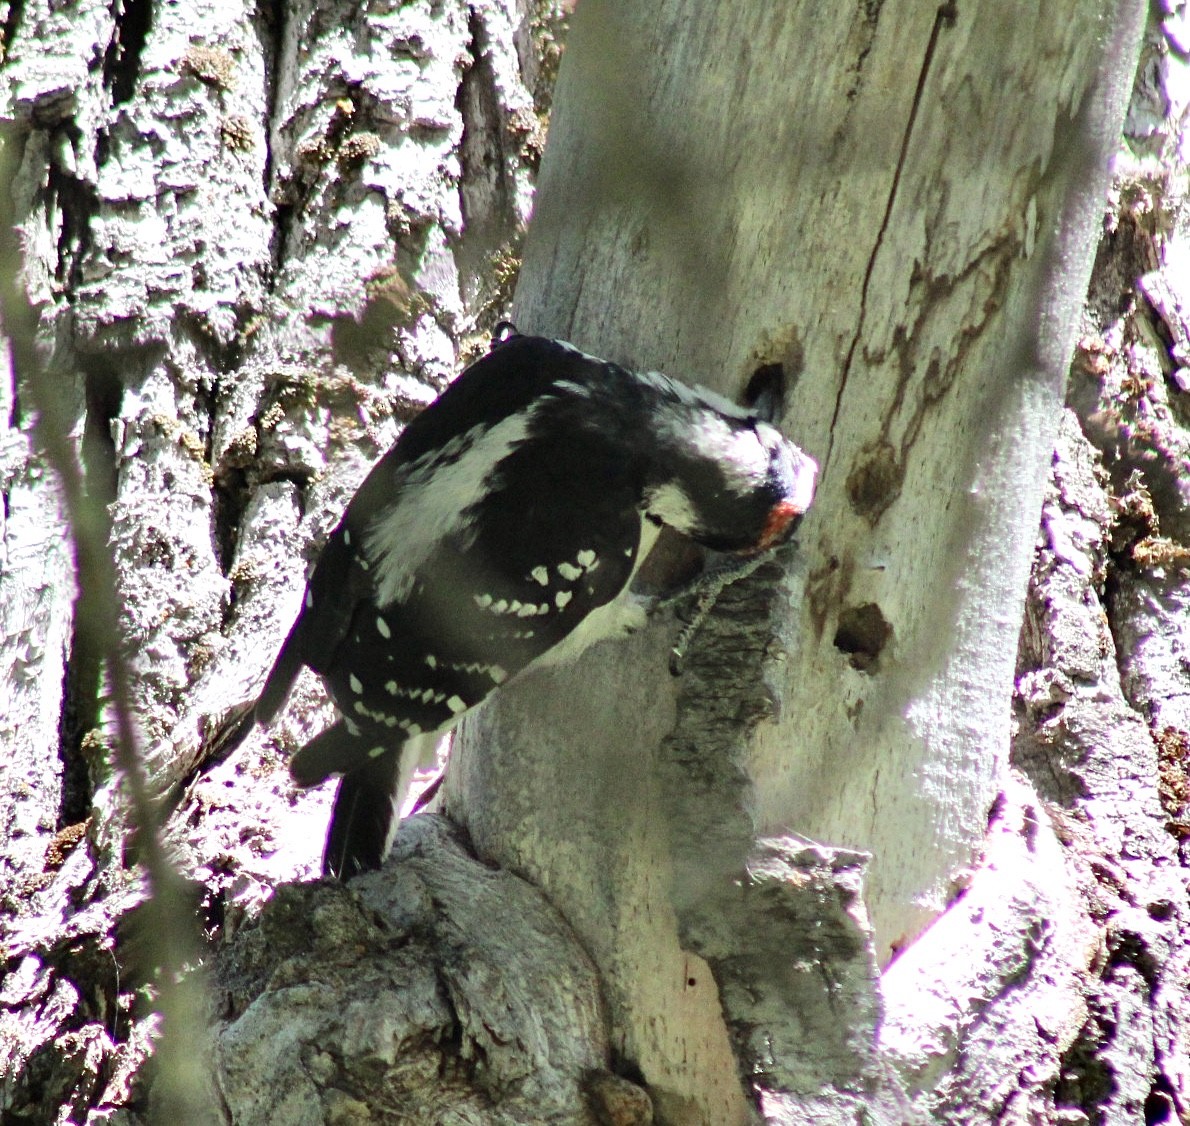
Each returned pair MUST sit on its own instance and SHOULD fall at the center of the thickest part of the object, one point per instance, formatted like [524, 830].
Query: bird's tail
[365, 816]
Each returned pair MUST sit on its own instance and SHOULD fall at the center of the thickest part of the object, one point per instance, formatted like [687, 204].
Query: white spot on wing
[569, 571]
[431, 660]
[356, 686]
[456, 705]
[382, 628]
[621, 615]
[494, 672]
[527, 610]
[540, 575]
[586, 558]
[309, 598]
[483, 601]
[562, 598]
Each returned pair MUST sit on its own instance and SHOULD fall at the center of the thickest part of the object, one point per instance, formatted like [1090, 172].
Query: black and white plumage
[505, 524]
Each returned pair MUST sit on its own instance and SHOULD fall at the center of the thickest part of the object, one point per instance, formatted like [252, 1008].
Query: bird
[503, 529]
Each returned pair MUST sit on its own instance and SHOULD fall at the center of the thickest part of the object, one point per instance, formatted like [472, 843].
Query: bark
[907, 229]
[258, 239]
[426, 1021]
[242, 244]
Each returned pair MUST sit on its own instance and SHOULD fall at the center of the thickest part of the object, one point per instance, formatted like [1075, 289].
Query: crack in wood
[944, 19]
[271, 19]
[132, 20]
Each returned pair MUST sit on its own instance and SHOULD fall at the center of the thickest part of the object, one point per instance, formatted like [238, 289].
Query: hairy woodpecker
[505, 525]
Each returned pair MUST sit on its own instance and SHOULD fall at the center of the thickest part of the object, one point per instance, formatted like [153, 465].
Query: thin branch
[180, 1092]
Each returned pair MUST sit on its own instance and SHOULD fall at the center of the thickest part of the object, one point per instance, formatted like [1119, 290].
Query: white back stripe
[432, 498]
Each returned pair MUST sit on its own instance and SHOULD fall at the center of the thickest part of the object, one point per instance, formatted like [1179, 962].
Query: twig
[179, 1091]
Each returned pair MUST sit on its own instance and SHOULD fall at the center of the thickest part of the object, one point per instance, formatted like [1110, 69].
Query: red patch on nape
[781, 515]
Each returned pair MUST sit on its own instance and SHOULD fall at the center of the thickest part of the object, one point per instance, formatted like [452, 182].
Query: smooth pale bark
[898, 204]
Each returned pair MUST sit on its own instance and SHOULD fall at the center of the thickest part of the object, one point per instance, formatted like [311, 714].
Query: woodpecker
[504, 528]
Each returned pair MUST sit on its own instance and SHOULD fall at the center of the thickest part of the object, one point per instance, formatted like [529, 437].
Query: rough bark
[258, 239]
[242, 236]
[403, 999]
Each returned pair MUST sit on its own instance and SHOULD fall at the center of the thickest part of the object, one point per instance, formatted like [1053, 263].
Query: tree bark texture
[255, 238]
[258, 239]
[906, 228]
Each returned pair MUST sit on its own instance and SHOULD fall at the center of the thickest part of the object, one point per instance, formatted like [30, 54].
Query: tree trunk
[907, 229]
[258, 239]
[241, 241]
